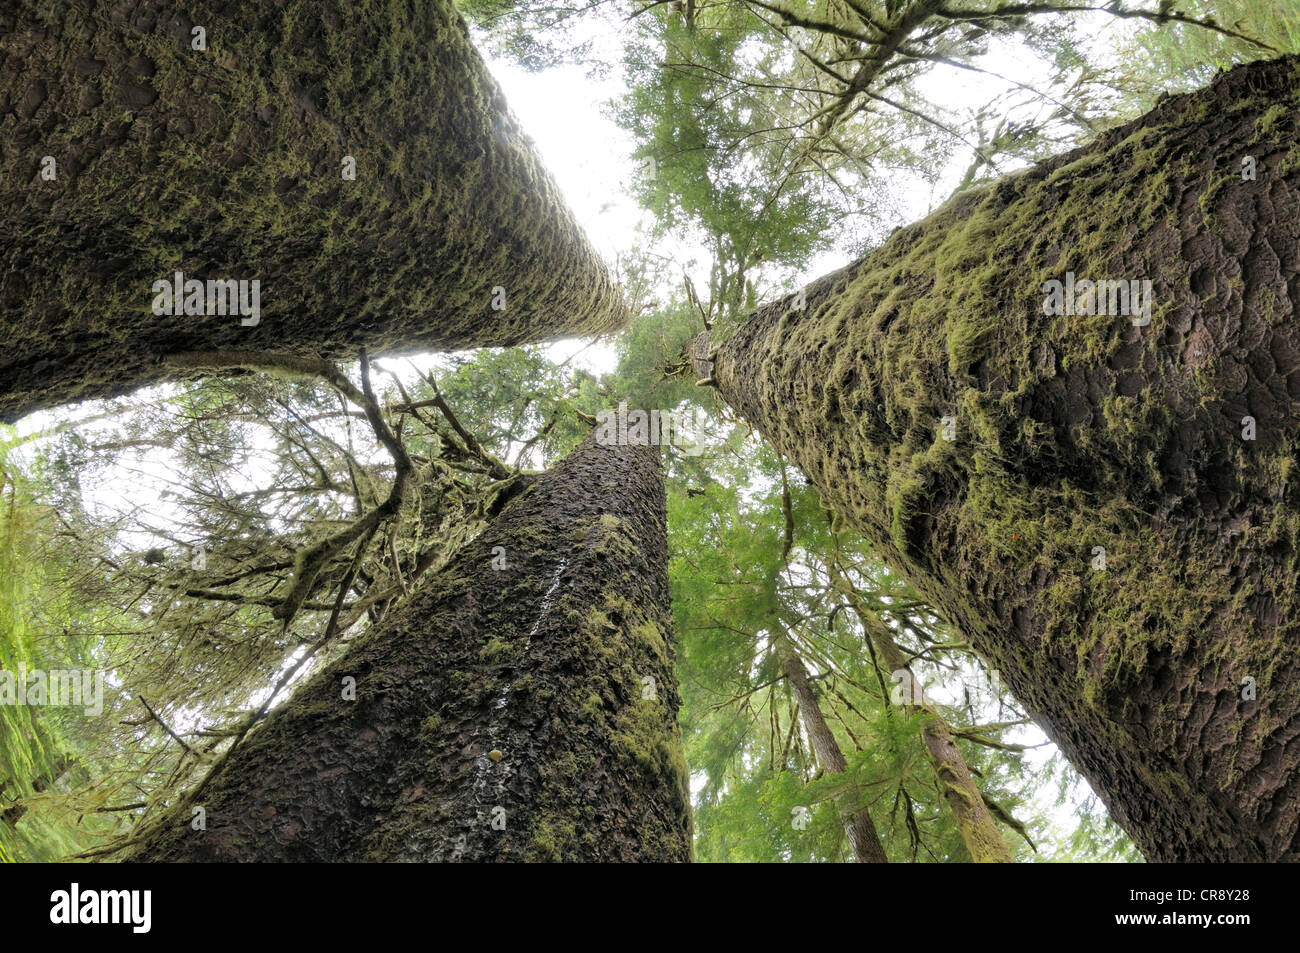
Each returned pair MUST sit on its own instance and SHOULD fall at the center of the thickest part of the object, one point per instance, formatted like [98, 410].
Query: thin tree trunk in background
[229, 163]
[861, 832]
[974, 822]
[1114, 524]
[519, 713]
[962, 794]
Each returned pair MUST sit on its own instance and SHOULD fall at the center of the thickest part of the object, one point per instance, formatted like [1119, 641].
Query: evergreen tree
[1095, 495]
[358, 163]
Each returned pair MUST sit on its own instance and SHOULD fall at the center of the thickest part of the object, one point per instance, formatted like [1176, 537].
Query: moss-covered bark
[228, 163]
[1167, 672]
[540, 696]
[960, 792]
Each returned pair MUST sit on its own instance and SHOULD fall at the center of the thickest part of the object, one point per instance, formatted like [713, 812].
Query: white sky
[590, 156]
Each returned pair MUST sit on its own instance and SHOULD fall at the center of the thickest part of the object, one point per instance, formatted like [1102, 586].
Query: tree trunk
[519, 713]
[230, 162]
[861, 832]
[963, 796]
[1114, 521]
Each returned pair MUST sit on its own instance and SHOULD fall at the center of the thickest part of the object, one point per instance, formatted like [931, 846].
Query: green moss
[244, 143]
[496, 650]
[429, 729]
[1267, 125]
[548, 840]
[524, 685]
[651, 638]
[905, 513]
[997, 527]
[643, 739]
[592, 707]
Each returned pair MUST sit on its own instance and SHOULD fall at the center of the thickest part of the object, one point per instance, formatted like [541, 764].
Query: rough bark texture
[1082, 431]
[863, 839]
[541, 696]
[228, 164]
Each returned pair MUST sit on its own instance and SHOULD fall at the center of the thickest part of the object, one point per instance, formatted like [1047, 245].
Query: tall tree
[964, 798]
[1178, 56]
[522, 705]
[360, 163]
[861, 832]
[1100, 501]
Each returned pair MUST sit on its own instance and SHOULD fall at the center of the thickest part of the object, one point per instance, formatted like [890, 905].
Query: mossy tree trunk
[522, 705]
[1114, 520]
[858, 826]
[962, 794]
[229, 163]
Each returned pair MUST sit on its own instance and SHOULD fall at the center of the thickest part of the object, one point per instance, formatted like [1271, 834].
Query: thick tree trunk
[229, 163]
[1114, 522]
[519, 713]
[863, 839]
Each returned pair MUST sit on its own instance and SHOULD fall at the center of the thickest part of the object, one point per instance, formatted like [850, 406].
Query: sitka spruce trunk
[1097, 484]
[355, 160]
[521, 706]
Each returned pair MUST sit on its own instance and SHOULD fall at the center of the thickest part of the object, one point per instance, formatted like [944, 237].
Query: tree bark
[1101, 526]
[229, 162]
[863, 839]
[519, 713]
[964, 798]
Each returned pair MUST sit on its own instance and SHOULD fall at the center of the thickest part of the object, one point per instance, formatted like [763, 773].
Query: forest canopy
[219, 542]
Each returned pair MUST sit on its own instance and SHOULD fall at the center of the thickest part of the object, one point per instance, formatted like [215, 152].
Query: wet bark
[229, 162]
[858, 826]
[1114, 522]
[519, 713]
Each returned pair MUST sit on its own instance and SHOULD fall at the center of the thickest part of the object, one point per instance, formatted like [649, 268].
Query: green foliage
[537, 36]
[714, 154]
[1179, 57]
[46, 626]
[752, 145]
